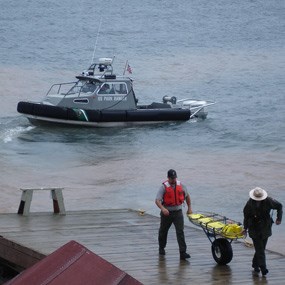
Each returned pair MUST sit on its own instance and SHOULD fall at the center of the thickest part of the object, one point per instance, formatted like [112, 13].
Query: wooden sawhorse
[27, 195]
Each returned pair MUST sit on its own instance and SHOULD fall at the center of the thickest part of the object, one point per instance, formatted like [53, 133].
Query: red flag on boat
[129, 69]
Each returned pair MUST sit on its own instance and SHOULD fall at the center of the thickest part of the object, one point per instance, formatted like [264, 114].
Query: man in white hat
[258, 222]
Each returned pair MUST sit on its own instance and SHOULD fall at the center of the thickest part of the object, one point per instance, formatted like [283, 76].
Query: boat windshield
[84, 87]
[89, 87]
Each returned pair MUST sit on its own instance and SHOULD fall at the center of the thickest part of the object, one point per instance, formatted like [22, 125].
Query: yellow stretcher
[221, 231]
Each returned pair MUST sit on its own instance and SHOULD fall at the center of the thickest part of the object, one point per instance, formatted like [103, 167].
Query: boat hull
[46, 114]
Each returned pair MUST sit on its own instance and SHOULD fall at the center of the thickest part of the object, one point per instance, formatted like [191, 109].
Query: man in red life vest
[169, 200]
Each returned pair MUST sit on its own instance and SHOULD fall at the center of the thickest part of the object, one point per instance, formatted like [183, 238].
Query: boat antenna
[95, 46]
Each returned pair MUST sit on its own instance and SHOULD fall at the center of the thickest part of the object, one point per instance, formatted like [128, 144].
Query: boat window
[89, 87]
[113, 88]
[75, 89]
[120, 88]
[105, 89]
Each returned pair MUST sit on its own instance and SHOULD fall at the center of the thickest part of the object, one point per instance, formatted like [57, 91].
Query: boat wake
[9, 134]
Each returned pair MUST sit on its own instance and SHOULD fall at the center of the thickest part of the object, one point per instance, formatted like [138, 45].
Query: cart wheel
[222, 251]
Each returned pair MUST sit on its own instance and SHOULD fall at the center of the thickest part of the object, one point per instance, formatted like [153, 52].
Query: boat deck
[129, 241]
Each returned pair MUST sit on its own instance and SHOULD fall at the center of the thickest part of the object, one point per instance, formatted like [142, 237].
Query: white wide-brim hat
[258, 194]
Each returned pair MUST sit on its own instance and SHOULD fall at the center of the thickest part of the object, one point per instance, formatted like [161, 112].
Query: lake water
[231, 52]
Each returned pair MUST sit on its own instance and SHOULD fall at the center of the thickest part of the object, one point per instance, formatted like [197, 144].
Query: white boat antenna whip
[127, 62]
[95, 46]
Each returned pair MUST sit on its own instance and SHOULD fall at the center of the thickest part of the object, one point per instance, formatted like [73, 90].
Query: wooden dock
[129, 241]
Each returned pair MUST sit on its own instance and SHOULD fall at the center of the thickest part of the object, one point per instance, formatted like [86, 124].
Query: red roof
[73, 264]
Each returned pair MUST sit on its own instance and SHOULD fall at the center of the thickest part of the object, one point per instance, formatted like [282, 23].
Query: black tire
[222, 251]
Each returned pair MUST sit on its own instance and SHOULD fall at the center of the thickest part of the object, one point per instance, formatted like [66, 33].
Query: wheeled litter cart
[220, 231]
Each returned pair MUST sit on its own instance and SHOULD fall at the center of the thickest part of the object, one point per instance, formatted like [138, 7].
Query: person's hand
[165, 212]
[278, 222]
[189, 212]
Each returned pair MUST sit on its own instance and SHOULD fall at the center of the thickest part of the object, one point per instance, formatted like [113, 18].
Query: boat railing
[195, 110]
[62, 88]
[203, 105]
[104, 67]
[206, 102]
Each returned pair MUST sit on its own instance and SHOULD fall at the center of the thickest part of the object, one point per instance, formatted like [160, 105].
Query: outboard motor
[169, 99]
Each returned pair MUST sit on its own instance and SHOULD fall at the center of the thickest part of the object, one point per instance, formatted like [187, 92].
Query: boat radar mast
[103, 64]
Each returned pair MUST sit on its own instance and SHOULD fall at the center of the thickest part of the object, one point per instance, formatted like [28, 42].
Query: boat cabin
[97, 88]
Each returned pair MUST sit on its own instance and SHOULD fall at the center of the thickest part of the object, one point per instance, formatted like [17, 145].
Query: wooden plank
[129, 241]
[19, 255]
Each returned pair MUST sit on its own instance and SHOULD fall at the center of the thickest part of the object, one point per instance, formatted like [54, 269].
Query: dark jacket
[257, 219]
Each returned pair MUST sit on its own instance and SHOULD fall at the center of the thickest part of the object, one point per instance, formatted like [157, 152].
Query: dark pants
[176, 218]
[259, 259]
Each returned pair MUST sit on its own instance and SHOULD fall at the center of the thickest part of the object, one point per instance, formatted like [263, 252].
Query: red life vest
[173, 197]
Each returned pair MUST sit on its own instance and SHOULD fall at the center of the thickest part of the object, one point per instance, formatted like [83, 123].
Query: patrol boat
[100, 98]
